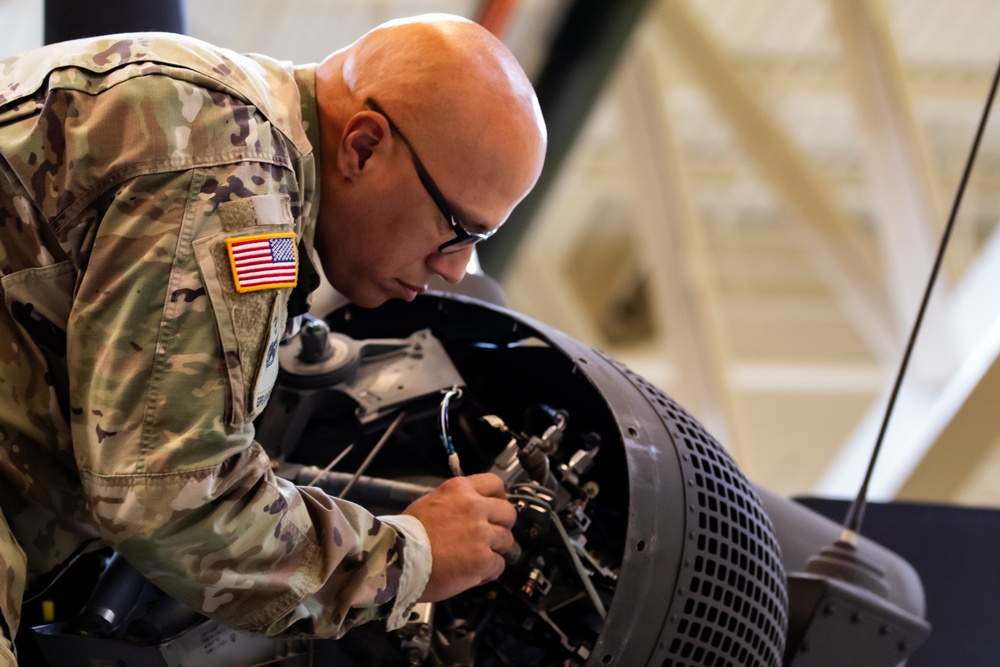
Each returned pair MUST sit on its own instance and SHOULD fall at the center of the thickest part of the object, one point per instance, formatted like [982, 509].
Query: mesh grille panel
[730, 610]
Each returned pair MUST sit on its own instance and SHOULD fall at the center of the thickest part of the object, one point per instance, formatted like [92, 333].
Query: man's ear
[362, 136]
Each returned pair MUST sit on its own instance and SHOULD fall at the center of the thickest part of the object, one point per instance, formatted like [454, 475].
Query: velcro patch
[263, 261]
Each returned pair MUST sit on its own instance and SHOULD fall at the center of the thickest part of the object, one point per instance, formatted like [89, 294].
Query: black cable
[852, 524]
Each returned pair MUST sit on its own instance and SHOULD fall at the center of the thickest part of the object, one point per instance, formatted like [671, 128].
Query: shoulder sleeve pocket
[250, 323]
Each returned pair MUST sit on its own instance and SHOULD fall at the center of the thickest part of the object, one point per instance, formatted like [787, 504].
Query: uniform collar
[305, 78]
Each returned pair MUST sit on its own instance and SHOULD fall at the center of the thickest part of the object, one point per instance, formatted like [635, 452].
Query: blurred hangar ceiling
[743, 201]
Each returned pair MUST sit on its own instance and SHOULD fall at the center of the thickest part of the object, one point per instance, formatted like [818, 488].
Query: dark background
[956, 551]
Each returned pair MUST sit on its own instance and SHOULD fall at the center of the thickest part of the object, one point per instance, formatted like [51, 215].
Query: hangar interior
[746, 212]
[743, 203]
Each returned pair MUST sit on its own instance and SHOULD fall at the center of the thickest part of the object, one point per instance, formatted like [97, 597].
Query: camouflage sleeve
[12, 567]
[169, 365]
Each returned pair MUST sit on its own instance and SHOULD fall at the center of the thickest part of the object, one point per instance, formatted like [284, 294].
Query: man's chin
[368, 303]
[368, 298]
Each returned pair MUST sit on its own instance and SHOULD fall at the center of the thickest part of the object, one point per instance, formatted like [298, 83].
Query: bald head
[451, 85]
[434, 63]
[464, 106]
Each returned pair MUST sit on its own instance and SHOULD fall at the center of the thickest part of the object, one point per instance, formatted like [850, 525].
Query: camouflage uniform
[131, 367]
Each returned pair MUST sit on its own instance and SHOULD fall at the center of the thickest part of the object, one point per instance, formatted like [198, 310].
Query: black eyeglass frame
[463, 237]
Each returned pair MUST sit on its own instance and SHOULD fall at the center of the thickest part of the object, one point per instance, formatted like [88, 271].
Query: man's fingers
[469, 522]
[497, 508]
[496, 566]
[502, 540]
[487, 484]
[501, 513]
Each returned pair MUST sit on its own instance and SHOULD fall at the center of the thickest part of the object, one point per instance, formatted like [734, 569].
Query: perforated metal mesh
[730, 609]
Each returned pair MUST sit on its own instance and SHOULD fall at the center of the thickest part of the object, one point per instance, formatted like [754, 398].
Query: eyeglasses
[463, 237]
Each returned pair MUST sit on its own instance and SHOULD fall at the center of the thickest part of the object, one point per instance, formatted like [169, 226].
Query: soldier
[138, 172]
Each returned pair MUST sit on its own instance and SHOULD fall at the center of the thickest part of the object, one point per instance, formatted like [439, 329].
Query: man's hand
[468, 521]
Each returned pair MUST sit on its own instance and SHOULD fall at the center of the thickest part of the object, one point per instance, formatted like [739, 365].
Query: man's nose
[452, 266]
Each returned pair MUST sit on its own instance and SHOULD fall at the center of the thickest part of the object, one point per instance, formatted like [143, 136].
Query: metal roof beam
[961, 429]
[936, 439]
[673, 249]
[581, 58]
[903, 185]
[847, 265]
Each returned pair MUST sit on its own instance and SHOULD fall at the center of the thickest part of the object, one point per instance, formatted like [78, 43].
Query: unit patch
[263, 261]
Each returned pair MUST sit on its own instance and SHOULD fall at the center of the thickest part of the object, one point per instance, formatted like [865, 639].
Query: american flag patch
[265, 261]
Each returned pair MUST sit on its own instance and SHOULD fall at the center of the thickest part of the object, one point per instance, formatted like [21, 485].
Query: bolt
[316, 346]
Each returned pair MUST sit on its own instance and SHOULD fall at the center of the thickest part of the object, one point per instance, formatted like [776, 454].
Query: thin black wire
[854, 516]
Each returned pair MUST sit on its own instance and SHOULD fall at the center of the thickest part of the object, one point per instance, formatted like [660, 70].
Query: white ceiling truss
[760, 194]
[750, 216]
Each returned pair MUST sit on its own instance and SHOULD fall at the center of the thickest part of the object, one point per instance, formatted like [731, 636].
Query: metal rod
[584, 577]
[329, 466]
[381, 442]
[852, 524]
